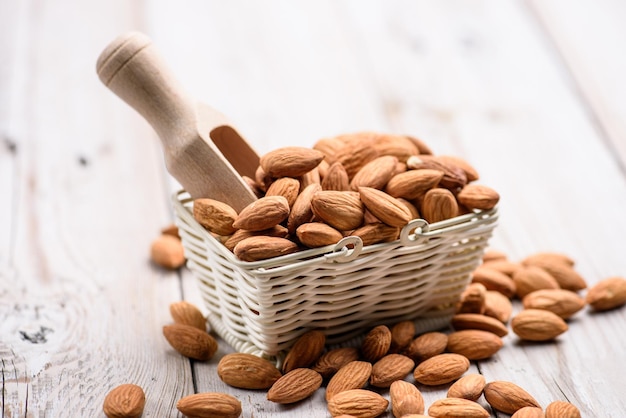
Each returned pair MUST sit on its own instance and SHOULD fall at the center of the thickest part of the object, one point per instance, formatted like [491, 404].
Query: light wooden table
[530, 92]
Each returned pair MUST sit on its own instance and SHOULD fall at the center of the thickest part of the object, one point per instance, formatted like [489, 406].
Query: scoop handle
[134, 70]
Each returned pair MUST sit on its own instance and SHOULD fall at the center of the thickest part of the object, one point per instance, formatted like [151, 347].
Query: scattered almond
[562, 409]
[427, 345]
[247, 371]
[330, 362]
[187, 313]
[564, 303]
[190, 341]
[458, 408]
[468, 387]
[498, 306]
[494, 280]
[607, 294]
[358, 403]
[529, 412]
[507, 397]
[538, 325]
[441, 369]
[307, 348]
[124, 401]
[210, 405]
[474, 344]
[402, 335]
[469, 321]
[167, 251]
[376, 343]
[390, 368]
[294, 386]
[405, 399]
[353, 375]
[530, 278]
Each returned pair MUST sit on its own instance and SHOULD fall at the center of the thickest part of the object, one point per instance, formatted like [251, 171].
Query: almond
[441, 369]
[260, 247]
[376, 343]
[398, 146]
[493, 255]
[422, 147]
[454, 178]
[563, 272]
[411, 207]
[287, 187]
[390, 368]
[209, 405]
[538, 325]
[564, 303]
[470, 172]
[427, 345]
[172, 230]
[503, 266]
[215, 216]
[301, 211]
[468, 387]
[124, 401]
[413, 184]
[562, 409]
[477, 196]
[247, 371]
[402, 335]
[190, 341]
[241, 234]
[290, 161]
[356, 153]
[262, 179]
[384, 207]
[376, 233]
[607, 294]
[498, 306]
[353, 375]
[472, 299]
[187, 313]
[336, 178]
[507, 397]
[547, 257]
[468, 321]
[475, 344]
[296, 385]
[167, 251]
[330, 362]
[438, 205]
[529, 412]
[317, 234]
[256, 188]
[310, 177]
[531, 278]
[376, 173]
[405, 399]
[307, 348]
[358, 403]
[457, 408]
[263, 213]
[494, 280]
[329, 147]
[341, 210]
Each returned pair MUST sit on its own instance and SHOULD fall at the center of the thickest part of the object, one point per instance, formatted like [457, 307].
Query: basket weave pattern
[344, 290]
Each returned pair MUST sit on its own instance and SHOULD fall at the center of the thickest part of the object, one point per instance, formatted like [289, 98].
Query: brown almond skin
[305, 351]
[359, 403]
[413, 184]
[560, 267]
[562, 302]
[477, 196]
[562, 409]
[494, 280]
[607, 294]
[215, 216]
[376, 173]
[241, 234]
[427, 345]
[503, 266]
[124, 401]
[295, 386]
[548, 257]
[474, 344]
[390, 368]
[398, 146]
[261, 247]
[470, 172]
[317, 234]
[494, 255]
[454, 178]
[290, 161]
[187, 313]
[478, 321]
[538, 325]
[336, 178]
[441, 369]
[167, 251]
[301, 211]
[341, 210]
[356, 153]
[385, 207]
[210, 405]
[402, 334]
[472, 299]
[263, 213]
[405, 399]
[190, 341]
[353, 375]
[376, 233]
[468, 387]
[287, 187]
[507, 397]
[529, 412]
[330, 362]
[247, 371]
[376, 343]
[438, 205]
[498, 306]
[530, 278]
[457, 407]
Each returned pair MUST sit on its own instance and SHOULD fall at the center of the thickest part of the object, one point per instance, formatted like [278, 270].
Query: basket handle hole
[347, 249]
[414, 232]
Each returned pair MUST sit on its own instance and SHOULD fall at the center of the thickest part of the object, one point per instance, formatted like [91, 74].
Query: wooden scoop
[202, 150]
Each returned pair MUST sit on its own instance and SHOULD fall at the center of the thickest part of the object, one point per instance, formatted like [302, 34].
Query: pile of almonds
[365, 184]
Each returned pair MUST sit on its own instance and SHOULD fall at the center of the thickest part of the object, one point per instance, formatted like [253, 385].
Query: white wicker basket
[346, 289]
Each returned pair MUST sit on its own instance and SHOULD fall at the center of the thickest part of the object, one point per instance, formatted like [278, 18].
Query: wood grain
[528, 97]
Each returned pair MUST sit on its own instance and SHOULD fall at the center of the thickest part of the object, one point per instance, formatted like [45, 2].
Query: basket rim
[416, 232]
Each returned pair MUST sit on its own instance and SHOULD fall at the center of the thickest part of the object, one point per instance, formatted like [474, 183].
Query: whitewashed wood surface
[532, 93]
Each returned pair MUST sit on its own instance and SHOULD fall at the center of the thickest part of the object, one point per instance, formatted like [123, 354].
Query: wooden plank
[589, 37]
[84, 308]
